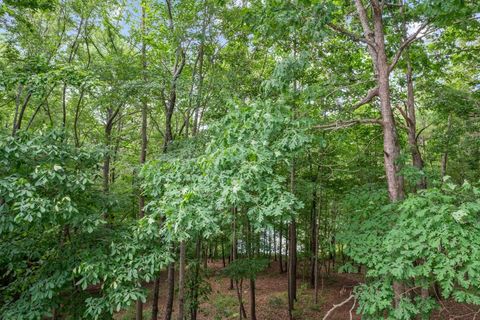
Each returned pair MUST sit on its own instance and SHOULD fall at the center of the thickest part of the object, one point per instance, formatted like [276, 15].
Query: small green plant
[225, 307]
[276, 301]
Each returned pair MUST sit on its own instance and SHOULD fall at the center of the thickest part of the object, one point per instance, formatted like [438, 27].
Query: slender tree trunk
[73, 51]
[253, 313]
[156, 293]
[18, 123]
[292, 257]
[239, 286]
[198, 253]
[143, 134]
[444, 162]
[196, 119]
[316, 258]
[234, 240]
[251, 252]
[181, 282]
[223, 254]
[171, 291]
[274, 244]
[417, 160]
[313, 242]
[410, 114]
[77, 117]
[280, 257]
[17, 108]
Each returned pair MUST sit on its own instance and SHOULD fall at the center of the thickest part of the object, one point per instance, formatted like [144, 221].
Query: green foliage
[431, 237]
[49, 217]
[198, 289]
[225, 307]
[245, 268]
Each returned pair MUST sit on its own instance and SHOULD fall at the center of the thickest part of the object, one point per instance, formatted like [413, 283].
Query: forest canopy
[221, 159]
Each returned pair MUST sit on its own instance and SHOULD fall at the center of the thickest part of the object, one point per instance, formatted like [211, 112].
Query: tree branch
[346, 124]
[372, 93]
[362, 13]
[335, 306]
[405, 44]
[351, 35]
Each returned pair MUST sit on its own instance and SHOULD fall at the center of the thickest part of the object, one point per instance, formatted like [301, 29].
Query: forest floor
[271, 298]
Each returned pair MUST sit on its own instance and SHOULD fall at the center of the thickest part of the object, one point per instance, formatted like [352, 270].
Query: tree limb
[335, 306]
[405, 44]
[351, 35]
[346, 124]
[372, 93]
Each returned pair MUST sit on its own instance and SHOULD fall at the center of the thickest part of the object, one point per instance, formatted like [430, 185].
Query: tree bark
[443, 169]
[234, 241]
[239, 286]
[181, 282]
[391, 148]
[198, 253]
[171, 289]
[313, 236]
[253, 314]
[280, 257]
[292, 257]
[156, 293]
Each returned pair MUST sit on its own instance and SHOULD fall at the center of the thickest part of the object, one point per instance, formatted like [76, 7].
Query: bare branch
[346, 124]
[371, 94]
[351, 309]
[335, 306]
[405, 44]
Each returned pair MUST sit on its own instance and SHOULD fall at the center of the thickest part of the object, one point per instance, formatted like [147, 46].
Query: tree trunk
[253, 314]
[143, 134]
[316, 264]
[443, 169]
[280, 257]
[274, 244]
[239, 286]
[171, 291]
[201, 53]
[181, 282]
[223, 254]
[313, 236]
[292, 257]
[193, 308]
[234, 240]
[156, 292]
[417, 160]
[391, 149]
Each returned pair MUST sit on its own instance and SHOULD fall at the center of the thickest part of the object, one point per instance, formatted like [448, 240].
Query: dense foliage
[151, 136]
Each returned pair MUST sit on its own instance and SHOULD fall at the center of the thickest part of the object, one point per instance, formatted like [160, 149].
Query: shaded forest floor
[271, 298]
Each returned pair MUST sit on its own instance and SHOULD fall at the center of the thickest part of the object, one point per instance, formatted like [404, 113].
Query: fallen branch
[351, 309]
[335, 306]
[345, 124]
